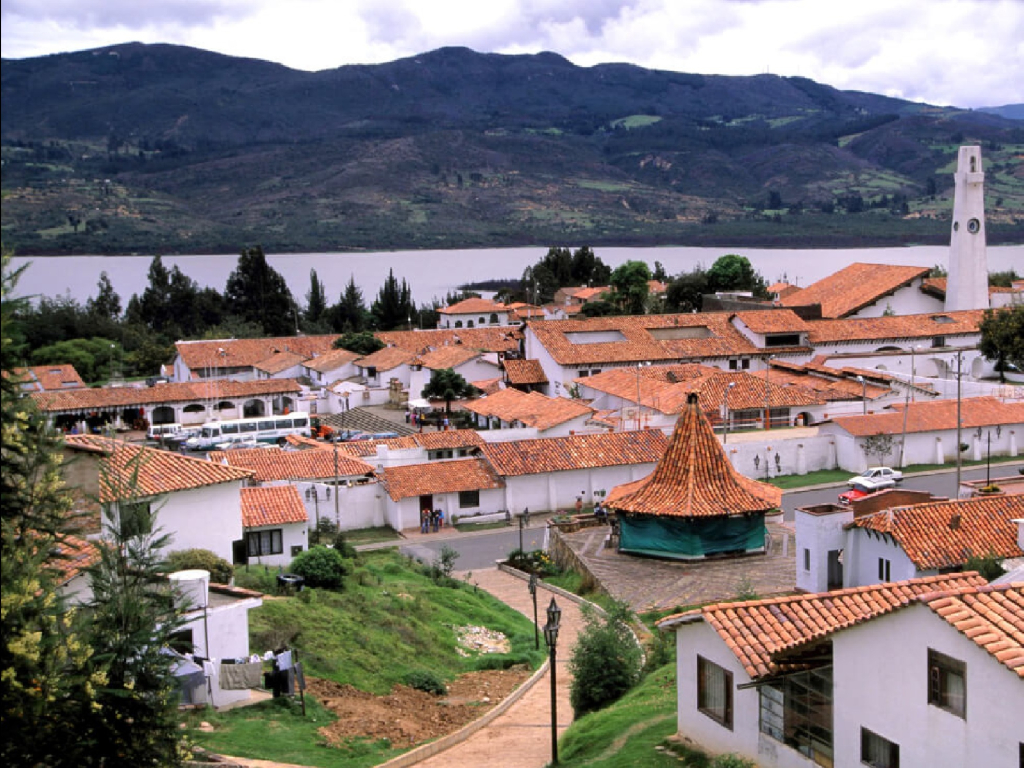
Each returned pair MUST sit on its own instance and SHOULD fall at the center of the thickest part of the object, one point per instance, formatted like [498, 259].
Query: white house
[275, 523]
[470, 364]
[924, 672]
[460, 488]
[196, 502]
[901, 534]
[473, 313]
[511, 409]
[551, 473]
[868, 290]
[330, 367]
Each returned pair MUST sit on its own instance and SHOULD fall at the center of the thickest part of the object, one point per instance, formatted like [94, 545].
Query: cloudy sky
[967, 53]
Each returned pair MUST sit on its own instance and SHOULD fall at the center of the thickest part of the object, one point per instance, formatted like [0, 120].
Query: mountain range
[162, 148]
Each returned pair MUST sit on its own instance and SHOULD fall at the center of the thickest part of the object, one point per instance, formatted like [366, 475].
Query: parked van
[158, 432]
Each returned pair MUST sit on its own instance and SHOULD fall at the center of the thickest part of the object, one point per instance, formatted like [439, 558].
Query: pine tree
[107, 303]
[445, 384]
[316, 301]
[257, 293]
[393, 307]
[349, 314]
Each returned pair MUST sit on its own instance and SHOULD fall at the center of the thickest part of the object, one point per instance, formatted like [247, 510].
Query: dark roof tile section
[562, 454]
[695, 479]
[854, 287]
[436, 477]
[272, 505]
[946, 534]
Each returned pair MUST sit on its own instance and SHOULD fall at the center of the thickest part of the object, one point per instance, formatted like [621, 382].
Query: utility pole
[959, 426]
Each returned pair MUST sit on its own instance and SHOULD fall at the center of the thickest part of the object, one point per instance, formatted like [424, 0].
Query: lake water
[434, 273]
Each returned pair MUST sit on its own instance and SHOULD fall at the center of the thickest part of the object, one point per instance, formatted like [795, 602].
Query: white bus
[265, 429]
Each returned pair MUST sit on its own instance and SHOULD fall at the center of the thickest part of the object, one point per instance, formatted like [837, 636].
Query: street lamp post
[863, 394]
[725, 434]
[522, 519]
[536, 624]
[551, 638]
[767, 393]
[959, 425]
[337, 512]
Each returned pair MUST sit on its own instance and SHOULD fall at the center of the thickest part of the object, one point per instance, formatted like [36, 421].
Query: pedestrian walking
[579, 504]
[425, 521]
[435, 519]
[526, 517]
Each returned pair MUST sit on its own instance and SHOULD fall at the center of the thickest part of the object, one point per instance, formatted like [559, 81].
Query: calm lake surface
[434, 273]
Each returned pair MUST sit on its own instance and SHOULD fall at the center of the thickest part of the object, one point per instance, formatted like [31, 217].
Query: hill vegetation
[159, 148]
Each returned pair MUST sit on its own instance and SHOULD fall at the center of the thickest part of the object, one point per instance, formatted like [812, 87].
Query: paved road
[477, 549]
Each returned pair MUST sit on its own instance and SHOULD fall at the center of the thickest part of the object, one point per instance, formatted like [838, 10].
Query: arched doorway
[253, 408]
[803, 419]
[163, 414]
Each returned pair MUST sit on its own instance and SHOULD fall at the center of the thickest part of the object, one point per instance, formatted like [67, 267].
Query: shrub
[605, 662]
[220, 569]
[425, 680]
[732, 761]
[321, 567]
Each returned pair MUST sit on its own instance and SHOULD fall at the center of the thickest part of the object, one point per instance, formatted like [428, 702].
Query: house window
[884, 569]
[714, 692]
[947, 683]
[798, 712]
[268, 542]
[732, 365]
[878, 751]
[745, 364]
[938, 341]
[469, 499]
[296, 550]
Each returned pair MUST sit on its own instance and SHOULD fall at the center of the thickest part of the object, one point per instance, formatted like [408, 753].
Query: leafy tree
[989, 566]
[154, 306]
[393, 307]
[735, 273]
[606, 662]
[599, 308]
[257, 293]
[92, 358]
[880, 445]
[1002, 337]
[220, 569]
[131, 623]
[445, 384]
[45, 684]
[630, 283]
[686, 292]
[1003, 279]
[321, 567]
[107, 303]
[349, 314]
[362, 343]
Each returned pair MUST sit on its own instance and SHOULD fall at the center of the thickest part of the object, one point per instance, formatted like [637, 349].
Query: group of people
[431, 520]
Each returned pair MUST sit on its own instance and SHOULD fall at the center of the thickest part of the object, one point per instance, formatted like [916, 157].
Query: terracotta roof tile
[759, 631]
[695, 479]
[896, 327]
[472, 306]
[640, 338]
[190, 392]
[946, 534]
[270, 464]
[387, 359]
[437, 477]
[75, 555]
[46, 378]
[829, 384]
[494, 339]
[488, 386]
[447, 439]
[531, 409]
[331, 361]
[854, 287]
[560, 454]
[279, 361]
[519, 371]
[272, 505]
[244, 353]
[447, 357]
[773, 321]
[935, 415]
[991, 616]
[147, 471]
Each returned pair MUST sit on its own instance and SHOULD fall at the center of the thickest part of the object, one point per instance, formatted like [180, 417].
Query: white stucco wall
[819, 534]
[558, 490]
[227, 627]
[797, 455]
[207, 518]
[862, 552]
[881, 682]
[292, 535]
[405, 513]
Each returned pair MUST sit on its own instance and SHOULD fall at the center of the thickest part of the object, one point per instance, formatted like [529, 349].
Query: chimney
[954, 522]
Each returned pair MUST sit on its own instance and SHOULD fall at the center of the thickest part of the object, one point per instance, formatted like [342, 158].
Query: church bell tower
[967, 284]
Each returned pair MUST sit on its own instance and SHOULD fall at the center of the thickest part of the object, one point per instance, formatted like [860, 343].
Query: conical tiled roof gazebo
[694, 504]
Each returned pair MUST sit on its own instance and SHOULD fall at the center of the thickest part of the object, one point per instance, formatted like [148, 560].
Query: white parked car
[876, 478]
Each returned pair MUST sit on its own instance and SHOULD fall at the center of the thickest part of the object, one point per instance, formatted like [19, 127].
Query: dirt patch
[406, 716]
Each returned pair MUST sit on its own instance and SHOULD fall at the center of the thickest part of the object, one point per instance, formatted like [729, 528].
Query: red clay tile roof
[641, 338]
[48, 378]
[74, 555]
[272, 505]
[561, 454]
[936, 286]
[896, 327]
[935, 415]
[992, 616]
[269, 464]
[368, 448]
[472, 306]
[279, 361]
[695, 479]
[436, 477]
[947, 534]
[190, 392]
[854, 287]
[452, 438]
[386, 359]
[519, 371]
[447, 357]
[759, 631]
[136, 471]
[773, 321]
[494, 339]
[245, 353]
[829, 384]
[531, 409]
[488, 386]
[330, 361]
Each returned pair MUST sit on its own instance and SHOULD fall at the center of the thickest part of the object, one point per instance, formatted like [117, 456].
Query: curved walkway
[521, 737]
